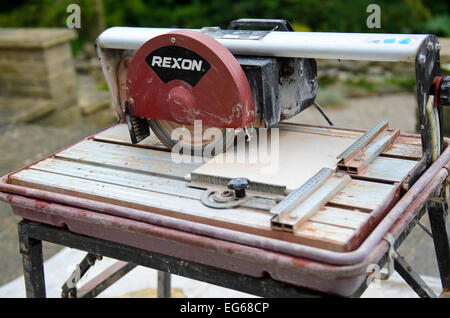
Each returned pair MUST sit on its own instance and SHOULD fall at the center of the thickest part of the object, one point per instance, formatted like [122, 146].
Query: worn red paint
[213, 99]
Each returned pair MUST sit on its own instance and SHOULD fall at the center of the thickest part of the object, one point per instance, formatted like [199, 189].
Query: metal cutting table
[109, 197]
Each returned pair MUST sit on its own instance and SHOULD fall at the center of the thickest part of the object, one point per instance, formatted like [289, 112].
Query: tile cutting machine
[337, 201]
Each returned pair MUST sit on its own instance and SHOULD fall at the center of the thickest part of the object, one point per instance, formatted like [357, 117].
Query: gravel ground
[25, 144]
[364, 113]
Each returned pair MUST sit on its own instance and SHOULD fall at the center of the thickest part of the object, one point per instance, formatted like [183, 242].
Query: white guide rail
[345, 46]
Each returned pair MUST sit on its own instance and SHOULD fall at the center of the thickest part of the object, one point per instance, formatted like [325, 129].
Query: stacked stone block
[37, 64]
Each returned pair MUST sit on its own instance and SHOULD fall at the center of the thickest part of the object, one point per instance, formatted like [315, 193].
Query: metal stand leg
[412, 278]
[33, 264]
[440, 227]
[102, 281]
[264, 287]
[163, 284]
[69, 289]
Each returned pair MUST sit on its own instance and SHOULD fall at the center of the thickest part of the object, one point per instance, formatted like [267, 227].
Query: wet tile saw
[237, 78]
[181, 76]
[248, 76]
[330, 209]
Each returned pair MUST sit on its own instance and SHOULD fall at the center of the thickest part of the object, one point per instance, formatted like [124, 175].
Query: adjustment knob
[239, 185]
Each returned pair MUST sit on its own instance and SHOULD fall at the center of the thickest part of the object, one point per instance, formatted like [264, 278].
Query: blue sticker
[376, 41]
[404, 41]
[389, 41]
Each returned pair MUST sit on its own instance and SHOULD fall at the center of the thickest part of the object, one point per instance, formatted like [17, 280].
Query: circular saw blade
[192, 139]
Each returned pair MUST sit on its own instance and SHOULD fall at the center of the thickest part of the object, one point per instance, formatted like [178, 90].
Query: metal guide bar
[305, 209]
[352, 46]
[204, 181]
[299, 194]
[307, 130]
[364, 139]
[359, 161]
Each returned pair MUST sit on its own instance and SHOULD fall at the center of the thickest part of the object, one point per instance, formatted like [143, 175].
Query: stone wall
[37, 64]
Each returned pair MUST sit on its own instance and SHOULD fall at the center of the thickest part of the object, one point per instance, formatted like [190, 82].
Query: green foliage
[439, 25]
[44, 13]
[446, 67]
[405, 82]
[402, 16]
[50, 13]
[364, 83]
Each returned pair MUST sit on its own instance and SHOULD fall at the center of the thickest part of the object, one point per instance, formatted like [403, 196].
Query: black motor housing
[281, 87]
